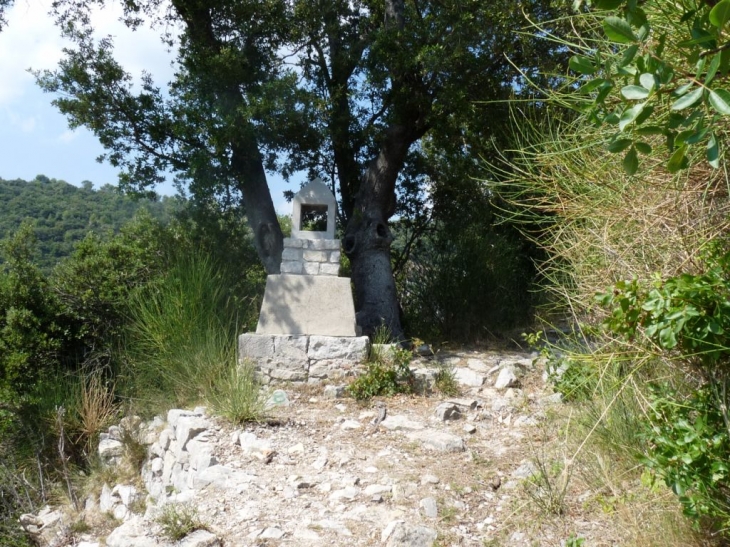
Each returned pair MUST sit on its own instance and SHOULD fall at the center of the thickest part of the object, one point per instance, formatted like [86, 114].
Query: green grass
[236, 394]
[178, 520]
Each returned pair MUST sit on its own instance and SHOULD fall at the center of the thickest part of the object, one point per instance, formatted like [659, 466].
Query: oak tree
[359, 91]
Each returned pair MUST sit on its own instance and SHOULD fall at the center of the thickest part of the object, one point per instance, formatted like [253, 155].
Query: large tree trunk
[368, 237]
[246, 161]
[260, 213]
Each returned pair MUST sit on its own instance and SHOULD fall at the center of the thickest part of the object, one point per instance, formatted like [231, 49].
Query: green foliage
[236, 394]
[30, 324]
[574, 541]
[94, 284]
[445, 381]
[690, 451]
[181, 332]
[656, 70]
[573, 376]
[63, 214]
[687, 317]
[387, 373]
[688, 312]
[72, 318]
[467, 277]
[226, 238]
[177, 520]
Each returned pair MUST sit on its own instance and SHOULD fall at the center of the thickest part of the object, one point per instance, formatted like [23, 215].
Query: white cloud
[26, 124]
[31, 40]
[68, 136]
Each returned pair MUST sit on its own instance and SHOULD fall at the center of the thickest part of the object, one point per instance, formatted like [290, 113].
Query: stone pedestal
[307, 330]
[302, 358]
[307, 304]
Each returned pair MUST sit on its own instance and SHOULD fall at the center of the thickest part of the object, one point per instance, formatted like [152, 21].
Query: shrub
[387, 373]
[31, 328]
[178, 520]
[686, 318]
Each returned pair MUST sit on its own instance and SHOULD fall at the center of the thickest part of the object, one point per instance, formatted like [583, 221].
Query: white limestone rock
[399, 422]
[400, 534]
[353, 348]
[447, 411]
[429, 507]
[200, 538]
[440, 441]
[133, 533]
[468, 377]
[110, 450]
[507, 378]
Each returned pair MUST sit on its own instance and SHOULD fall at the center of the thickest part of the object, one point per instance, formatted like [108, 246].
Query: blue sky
[34, 136]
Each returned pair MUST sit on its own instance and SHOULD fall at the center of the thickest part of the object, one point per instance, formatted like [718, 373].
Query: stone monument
[306, 330]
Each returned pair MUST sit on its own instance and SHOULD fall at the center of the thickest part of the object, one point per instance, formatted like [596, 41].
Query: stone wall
[302, 358]
[311, 256]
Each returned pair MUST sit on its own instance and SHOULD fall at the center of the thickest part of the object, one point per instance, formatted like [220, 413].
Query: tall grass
[180, 347]
[181, 334]
[598, 226]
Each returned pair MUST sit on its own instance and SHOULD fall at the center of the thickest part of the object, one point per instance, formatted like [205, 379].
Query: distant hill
[64, 213]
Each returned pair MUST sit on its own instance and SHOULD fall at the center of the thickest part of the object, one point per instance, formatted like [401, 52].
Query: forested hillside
[63, 214]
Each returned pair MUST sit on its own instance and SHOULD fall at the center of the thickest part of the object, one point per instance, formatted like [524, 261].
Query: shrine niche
[313, 212]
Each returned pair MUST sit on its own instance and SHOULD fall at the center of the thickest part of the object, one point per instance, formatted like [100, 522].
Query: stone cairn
[306, 330]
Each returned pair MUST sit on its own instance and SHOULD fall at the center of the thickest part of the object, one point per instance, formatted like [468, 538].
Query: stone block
[291, 254]
[330, 270]
[316, 256]
[290, 348]
[307, 304]
[335, 257]
[323, 244]
[333, 347]
[332, 369]
[289, 375]
[291, 267]
[294, 243]
[255, 346]
[311, 268]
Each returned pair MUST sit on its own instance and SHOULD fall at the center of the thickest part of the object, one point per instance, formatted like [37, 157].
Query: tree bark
[260, 212]
[368, 238]
[246, 160]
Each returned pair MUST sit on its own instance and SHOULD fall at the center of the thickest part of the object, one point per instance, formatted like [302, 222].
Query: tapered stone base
[307, 304]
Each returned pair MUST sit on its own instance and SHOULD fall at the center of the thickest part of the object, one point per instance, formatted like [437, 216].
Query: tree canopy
[376, 95]
[63, 214]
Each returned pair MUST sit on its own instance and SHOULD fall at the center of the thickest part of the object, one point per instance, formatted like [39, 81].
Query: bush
[387, 374]
[686, 318]
[32, 339]
[468, 277]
